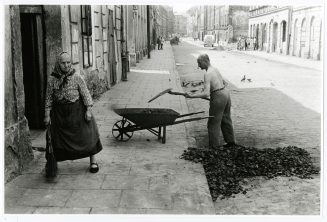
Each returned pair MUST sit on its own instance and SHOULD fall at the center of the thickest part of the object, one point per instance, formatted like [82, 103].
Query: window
[86, 35]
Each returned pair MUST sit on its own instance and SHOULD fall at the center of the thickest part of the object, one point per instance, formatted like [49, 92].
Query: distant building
[226, 23]
[288, 30]
[181, 25]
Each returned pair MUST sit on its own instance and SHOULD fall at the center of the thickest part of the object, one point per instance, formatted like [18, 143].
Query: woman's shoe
[94, 167]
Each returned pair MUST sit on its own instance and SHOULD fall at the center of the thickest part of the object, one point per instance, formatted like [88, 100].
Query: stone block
[31, 181]
[87, 181]
[116, 169]
[44, 197]
[145, 199]
[94, 198]
[115, 210]
[61, 210]
[20, 210]
[126, 182]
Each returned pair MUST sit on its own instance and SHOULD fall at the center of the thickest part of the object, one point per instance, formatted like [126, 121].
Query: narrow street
[279, 107]
[99, 90]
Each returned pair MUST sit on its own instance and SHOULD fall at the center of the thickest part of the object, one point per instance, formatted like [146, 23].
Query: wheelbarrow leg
[159, 133]
[164, 135]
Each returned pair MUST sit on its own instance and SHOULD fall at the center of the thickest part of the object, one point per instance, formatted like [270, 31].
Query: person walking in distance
[220, 104]
[159, 42]
[68, 110]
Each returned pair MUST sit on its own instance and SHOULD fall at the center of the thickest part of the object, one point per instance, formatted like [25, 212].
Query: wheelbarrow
[155, 120]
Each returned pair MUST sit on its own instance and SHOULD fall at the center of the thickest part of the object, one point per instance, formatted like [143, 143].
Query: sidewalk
[287, 59]
[140, 176]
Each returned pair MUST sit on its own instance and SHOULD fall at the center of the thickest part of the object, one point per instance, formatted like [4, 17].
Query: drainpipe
[124, 56]
[290, 17]
[148, 29]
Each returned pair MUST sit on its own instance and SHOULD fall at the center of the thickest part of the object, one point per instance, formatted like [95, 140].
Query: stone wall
[18, 150]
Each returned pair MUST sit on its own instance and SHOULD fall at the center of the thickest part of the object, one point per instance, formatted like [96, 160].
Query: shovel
[170, 92]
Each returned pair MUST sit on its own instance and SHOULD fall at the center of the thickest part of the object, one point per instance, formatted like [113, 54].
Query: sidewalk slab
[140, 176]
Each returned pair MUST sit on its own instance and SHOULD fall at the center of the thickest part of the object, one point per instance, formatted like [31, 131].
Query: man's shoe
[229, 145]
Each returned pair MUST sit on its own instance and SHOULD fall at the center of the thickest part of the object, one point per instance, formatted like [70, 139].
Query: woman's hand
[46, 119]
[88, 115]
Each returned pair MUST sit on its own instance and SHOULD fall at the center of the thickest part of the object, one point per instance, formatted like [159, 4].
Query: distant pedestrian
[158, 42]
[68, 105]
[161, 42]
[255, 43]
[220, 104]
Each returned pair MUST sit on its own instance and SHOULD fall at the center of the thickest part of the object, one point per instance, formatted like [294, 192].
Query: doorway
[274, 38]
[34, 74]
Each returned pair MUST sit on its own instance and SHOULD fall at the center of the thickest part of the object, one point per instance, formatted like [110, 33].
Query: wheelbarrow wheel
[119, 130]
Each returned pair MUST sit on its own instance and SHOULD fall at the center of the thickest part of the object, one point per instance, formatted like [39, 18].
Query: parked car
[209, 40]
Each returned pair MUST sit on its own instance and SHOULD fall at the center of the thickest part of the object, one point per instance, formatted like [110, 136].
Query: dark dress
[72, 136]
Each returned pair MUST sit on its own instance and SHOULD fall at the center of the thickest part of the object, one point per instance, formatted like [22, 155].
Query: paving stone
[61, 210]
[159, 183]
[12, 194]
[126, 182]
[44, 197]
[19, 210]
[72, 182]
[33, 181]
[115, 210]
[71, 168]
[145, 199]
[186, 183]
[116, 168]
[197, 202]
[94, 198]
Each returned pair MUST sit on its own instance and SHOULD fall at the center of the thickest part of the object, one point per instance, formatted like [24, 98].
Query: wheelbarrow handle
[183, 94]
[177, 93]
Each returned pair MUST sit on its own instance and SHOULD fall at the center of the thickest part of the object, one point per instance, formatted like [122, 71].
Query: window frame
[86, 27]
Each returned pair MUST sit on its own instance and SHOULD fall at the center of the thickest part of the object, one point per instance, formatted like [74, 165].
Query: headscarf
[57, 72]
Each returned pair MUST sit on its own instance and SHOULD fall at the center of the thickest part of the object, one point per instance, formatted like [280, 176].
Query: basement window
[86, 35]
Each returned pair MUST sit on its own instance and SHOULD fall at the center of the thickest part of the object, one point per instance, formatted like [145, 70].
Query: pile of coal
[227, 167]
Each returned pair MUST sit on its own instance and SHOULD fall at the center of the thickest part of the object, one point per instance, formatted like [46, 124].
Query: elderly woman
[68, 104]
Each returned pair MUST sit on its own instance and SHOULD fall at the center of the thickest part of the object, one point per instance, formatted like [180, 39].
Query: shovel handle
[183, 94]
[177, 93]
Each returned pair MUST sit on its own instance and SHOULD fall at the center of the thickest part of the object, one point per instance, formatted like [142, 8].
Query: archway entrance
[274, 37]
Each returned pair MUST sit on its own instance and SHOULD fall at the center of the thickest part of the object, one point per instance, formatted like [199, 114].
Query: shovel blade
[160, 94]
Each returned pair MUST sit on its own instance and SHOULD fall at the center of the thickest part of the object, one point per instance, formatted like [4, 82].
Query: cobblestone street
[263, 116]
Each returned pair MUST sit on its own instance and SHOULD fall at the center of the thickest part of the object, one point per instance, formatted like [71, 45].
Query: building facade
[288, 30]
[225, 22]
[181, 25]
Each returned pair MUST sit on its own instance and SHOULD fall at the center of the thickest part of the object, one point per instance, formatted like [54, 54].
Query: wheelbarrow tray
[149, 117]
